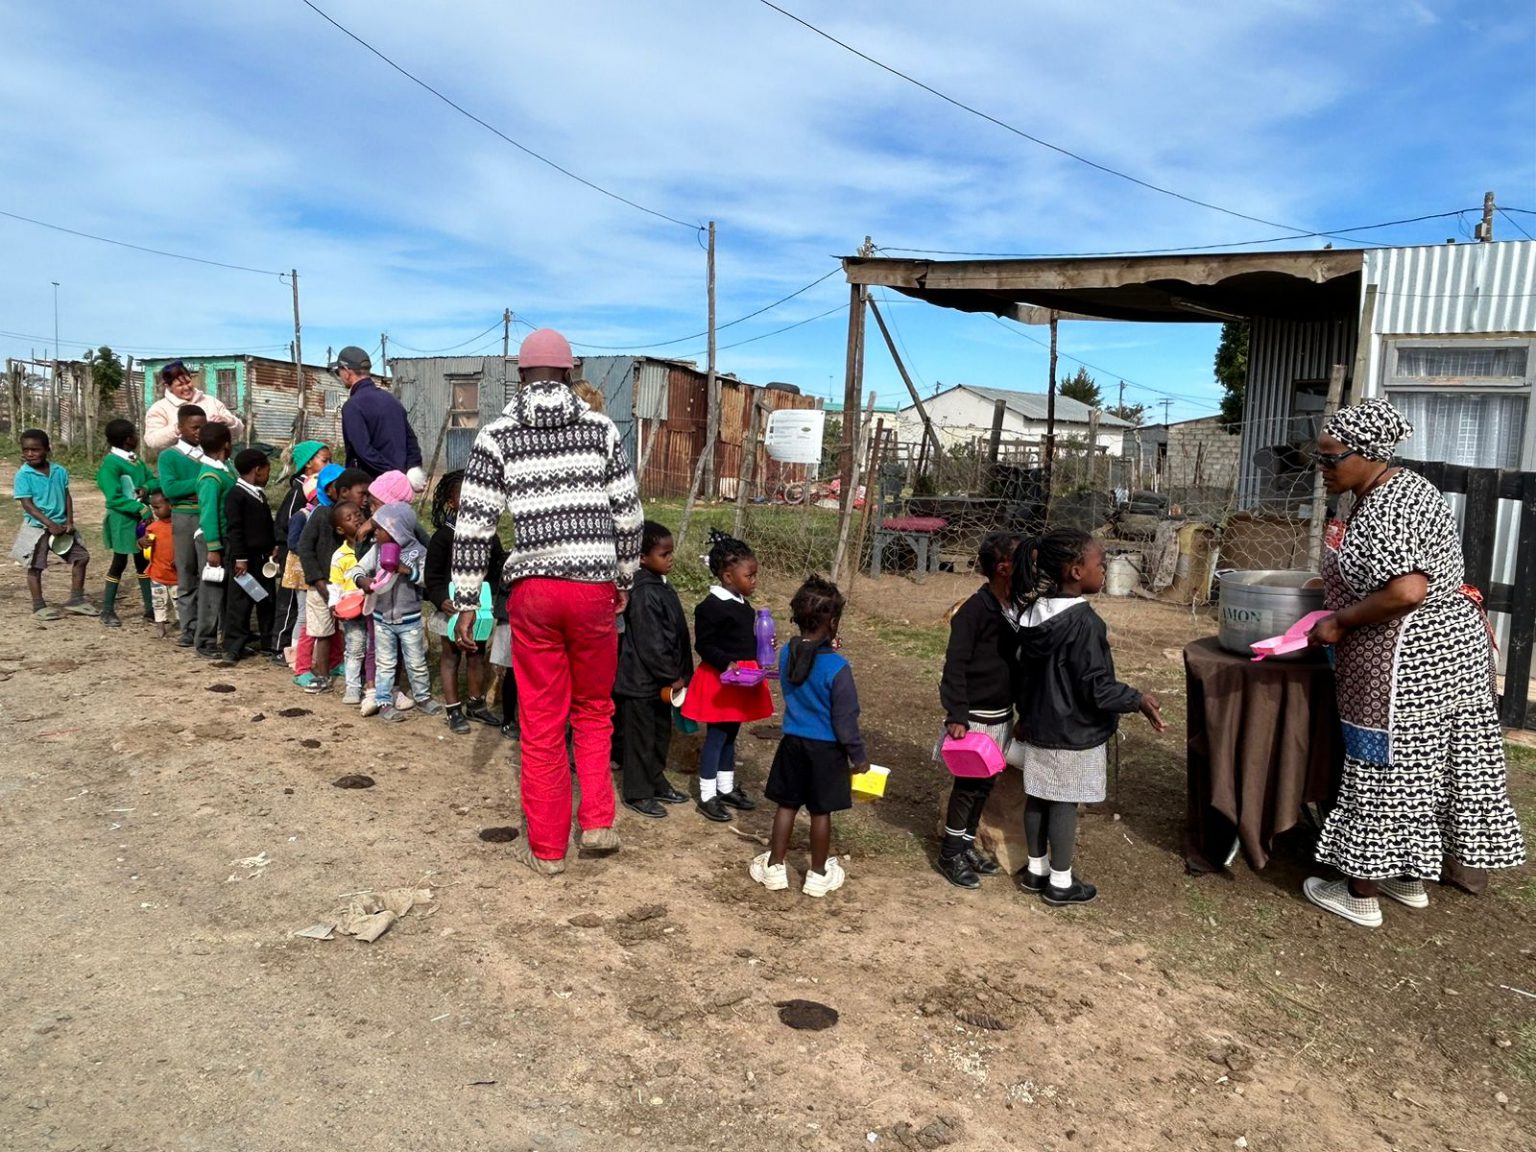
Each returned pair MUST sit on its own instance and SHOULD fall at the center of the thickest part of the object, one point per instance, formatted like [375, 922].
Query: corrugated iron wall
[274, 393]
[1281, 352]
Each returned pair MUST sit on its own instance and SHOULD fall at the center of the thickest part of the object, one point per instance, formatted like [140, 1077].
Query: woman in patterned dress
[1424, 771]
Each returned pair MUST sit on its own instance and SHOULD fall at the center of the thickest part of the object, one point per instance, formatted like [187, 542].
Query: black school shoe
[713, 809]
[981, 864]
[456, 722]
[957, 870]
[482, 714]
[646, 807]
[737, 799]
[1076, 893]
[672, 796]
[1029, 882]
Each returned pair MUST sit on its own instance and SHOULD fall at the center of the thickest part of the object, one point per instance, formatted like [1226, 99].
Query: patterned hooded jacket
[559, 469]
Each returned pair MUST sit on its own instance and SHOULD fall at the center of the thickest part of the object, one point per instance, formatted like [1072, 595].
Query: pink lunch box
[973, 754]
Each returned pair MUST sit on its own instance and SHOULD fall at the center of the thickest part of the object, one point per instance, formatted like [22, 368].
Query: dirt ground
[155, 997]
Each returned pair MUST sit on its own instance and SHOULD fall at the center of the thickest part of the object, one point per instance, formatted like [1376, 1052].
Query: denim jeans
[355, 633]
[390, 641]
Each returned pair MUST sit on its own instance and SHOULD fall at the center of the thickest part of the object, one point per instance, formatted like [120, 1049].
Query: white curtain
[1474, 429]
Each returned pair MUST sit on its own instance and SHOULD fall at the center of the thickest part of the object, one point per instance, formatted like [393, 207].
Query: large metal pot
[1261, 604]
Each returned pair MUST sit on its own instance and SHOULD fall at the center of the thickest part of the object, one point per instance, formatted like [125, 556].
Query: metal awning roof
[1174, 288]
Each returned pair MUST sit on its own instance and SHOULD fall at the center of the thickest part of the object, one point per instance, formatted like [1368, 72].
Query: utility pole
[1050, 420]
[1167, 405]
[853, 385]
[704, 467]
[1485, 229]
[52, 417]
[384, 354]
[506, 333]
[298, 360]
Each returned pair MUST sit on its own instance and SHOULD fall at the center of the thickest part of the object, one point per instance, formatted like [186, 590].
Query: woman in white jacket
[160, 422]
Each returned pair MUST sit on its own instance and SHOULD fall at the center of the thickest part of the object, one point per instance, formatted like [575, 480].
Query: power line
[459, 108]
[1334, 233]
[139, 247]
[1198, 402]
[451, 347]
[1003, 124]
[718, 327]
[765, 335]
[1516, 223]
[136, 349]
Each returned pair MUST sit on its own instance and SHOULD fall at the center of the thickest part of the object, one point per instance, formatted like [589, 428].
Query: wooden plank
[1479, 526]
[1515, 708]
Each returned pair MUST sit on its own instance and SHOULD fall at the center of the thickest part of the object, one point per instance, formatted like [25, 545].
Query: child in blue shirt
[47, 511]
[821, 741]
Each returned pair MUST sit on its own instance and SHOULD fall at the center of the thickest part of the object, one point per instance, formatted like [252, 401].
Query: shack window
[464, 401]
[224, 389]
[1468, 401]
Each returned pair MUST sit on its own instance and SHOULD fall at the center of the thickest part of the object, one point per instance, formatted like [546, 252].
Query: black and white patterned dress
[1424, 769]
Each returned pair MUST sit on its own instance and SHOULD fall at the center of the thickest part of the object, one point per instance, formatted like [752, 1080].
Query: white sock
[706, 790]
[1061, 879]
[1039, 865]
[727, 781]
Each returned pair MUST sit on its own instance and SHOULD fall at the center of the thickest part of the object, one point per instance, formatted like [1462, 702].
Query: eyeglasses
[1333, 459]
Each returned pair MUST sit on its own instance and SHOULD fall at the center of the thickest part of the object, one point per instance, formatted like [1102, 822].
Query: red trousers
[565, 652]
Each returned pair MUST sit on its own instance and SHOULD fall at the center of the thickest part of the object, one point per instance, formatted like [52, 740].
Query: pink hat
[392, 488]
[545, 348]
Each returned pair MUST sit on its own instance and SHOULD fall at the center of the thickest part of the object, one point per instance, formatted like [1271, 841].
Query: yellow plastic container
[869, 785]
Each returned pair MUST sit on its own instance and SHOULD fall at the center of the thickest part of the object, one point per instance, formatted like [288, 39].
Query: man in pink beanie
[559, 469]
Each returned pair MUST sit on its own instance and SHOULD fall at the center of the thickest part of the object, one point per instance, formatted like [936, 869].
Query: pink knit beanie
[545, 348]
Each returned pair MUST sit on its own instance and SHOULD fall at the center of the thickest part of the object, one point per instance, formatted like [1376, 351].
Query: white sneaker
[820, 883]
[1333, 896]
[1409, 892]
[370, 705]
[352, 696]
[774, 877]
[403, 701]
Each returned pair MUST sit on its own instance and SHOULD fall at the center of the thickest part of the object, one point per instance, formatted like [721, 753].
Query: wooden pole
[1319, 493]
[922, 412]
[853, 382]
[995, 442]
[437, 451]
[845, 521]
[1093, 446]
[1049, 459]
[506, 333]
[88, 402]
[384, 355]
[871, 497]
[712, 413]
[748, 469]
[300, 383]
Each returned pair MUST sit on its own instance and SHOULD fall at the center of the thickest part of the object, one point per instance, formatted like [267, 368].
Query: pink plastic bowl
[973, 754]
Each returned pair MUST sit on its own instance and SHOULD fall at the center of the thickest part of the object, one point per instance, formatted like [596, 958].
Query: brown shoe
[523, 854]
[600, 841]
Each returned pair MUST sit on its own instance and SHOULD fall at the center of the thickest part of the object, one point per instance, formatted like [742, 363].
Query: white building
[962, 414]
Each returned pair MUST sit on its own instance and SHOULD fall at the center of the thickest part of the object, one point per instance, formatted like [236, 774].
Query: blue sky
[257, 134]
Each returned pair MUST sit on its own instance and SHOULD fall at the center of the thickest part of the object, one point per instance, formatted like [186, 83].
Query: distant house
[962, 415]
[659, 406]
[264, 393]
[1190, 461]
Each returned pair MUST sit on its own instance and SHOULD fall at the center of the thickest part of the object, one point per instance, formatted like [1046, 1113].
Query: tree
[1231, 368]
[1083, 389]
[1130, 413]
[106, 371]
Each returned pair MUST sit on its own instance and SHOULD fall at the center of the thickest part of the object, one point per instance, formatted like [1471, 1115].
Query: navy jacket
[377, 435]
[820, 700]
[653, 648]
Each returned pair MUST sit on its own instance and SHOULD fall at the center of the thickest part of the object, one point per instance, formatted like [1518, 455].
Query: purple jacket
[377, 435]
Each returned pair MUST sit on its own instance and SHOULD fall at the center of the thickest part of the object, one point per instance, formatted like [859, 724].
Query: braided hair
[817, 603]
[995, 548]
[1038, 565]
[446, 489]
[725, 552]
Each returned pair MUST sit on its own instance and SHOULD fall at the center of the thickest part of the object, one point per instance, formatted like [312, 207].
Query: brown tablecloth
[1264, 740]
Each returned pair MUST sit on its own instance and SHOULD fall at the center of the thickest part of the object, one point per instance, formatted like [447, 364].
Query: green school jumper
[118, 480]
[178, 479]
[213, 484]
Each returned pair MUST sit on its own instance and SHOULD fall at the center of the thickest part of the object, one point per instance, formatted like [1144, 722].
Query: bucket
[1120, 576]
[1265, 603]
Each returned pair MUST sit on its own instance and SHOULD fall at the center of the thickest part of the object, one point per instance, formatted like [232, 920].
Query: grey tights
[1052, 822]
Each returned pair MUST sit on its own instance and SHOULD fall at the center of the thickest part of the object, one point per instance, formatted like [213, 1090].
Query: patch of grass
[1523, 1055]
[1201, 903]
[864, 833]
[920, 643]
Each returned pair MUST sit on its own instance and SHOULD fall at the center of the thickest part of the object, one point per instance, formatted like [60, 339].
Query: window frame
[1504, 386]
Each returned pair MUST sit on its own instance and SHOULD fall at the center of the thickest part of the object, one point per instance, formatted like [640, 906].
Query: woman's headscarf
[1372, 428]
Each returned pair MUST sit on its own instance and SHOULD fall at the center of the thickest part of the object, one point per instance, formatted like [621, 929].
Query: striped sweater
[559, 469]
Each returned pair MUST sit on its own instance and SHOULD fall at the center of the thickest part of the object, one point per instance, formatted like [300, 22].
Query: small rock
[586, 920]
[647, 912]
[258, 717]
[1500, 1098]
[1240, 1142]
[1238, 1060]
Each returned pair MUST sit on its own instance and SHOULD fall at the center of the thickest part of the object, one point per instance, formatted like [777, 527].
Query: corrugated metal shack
[264, 393]
[658, 405]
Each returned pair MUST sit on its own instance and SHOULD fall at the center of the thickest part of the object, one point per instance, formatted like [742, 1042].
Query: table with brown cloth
[1264, 740]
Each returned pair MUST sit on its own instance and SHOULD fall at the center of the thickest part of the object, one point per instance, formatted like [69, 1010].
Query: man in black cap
[374, 426]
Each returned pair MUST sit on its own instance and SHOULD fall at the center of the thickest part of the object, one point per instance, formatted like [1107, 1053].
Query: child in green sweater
[179, 465]
[214, 483]
[126, 482]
